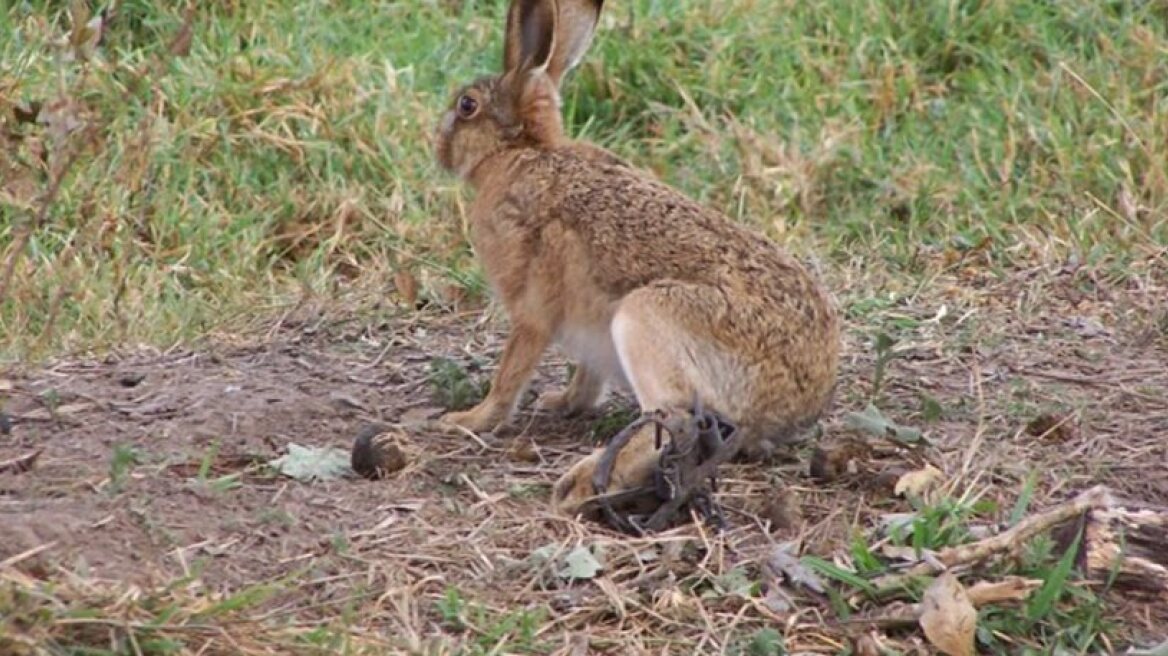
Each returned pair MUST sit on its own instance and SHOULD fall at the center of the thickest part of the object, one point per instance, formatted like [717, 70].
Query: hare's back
[638, 230]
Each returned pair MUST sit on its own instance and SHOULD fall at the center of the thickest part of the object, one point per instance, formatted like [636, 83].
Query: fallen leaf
[873, 422]
[20, 464]
[1013, 588]
[6, 385]
[947, 616]
[733, 582]
[777, 601]
[782, 561]
[406, 285]
[895, 552]
[579, 564]
[313, 463]
[898, 522]
[543, 554]
[915, 483]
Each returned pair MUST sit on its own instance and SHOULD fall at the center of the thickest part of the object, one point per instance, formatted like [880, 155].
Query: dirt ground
[466, 514]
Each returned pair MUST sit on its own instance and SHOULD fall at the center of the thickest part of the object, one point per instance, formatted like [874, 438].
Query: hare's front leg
[525, 346]
[583, 390]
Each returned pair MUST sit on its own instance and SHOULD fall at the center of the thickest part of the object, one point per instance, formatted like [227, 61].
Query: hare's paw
[482, 418]
[581, 394]
[574, 489]
[562, 403]
[632, 468]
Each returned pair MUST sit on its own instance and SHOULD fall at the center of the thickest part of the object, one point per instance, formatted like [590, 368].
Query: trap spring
[686, 474]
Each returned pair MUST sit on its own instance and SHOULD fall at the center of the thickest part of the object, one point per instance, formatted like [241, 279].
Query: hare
[641, 286]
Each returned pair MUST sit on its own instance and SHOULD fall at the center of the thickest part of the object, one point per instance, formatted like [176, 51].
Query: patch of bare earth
[467, 514]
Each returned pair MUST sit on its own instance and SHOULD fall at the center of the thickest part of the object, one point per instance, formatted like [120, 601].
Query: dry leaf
[5, 385]
[894, 552]
[916, 482]
[1013, 588]
[784, 563]
[406, 285]
[947, 616]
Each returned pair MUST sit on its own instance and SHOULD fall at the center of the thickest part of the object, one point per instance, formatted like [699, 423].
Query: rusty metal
[686, 474]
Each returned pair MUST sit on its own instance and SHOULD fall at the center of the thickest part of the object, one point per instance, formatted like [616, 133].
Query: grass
[286, 152]
[282, 154]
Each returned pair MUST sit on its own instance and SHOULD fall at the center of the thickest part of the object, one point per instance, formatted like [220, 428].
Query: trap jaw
[686, 474]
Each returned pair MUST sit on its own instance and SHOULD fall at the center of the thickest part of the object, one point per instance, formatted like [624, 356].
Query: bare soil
[467, 513]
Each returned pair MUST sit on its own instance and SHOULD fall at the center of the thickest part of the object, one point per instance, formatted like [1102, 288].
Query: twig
[1012, 589]
[25, 555]
[1096, 497]
[20, 464]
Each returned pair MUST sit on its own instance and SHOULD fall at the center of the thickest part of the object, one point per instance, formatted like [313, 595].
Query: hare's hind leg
[582, 392]
[668, 360]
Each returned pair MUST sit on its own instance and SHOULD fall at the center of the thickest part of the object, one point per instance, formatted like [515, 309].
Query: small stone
[524, 451]
[132, 379]
[377, 452]
[782, 510]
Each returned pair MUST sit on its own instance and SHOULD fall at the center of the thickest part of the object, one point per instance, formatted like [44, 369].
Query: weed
[122, 462]
[765, 642]
[611, 423]
[451, 606]
[453, 387]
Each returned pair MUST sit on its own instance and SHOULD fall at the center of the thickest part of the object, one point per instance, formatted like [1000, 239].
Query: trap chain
[686, 474]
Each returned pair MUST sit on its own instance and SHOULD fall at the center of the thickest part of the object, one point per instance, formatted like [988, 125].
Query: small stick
[20, 464]
[1096, 497]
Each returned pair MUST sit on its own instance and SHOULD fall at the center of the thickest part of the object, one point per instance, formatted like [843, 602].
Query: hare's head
[520, 107]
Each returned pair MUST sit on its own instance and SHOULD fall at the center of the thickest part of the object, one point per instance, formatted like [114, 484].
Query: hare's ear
[575, 25]
[530, 36]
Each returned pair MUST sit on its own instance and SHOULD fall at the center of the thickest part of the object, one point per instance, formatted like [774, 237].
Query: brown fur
[640, 285]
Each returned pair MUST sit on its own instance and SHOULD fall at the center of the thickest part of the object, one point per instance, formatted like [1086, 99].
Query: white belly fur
[592, 347]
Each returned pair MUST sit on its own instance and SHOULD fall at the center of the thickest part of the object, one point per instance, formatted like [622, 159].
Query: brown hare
[641, 286]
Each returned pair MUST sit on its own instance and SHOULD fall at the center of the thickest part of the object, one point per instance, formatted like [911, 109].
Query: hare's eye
[467, 106]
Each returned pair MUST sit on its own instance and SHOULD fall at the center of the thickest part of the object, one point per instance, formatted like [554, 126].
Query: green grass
[287, 154]
[1061, 614]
